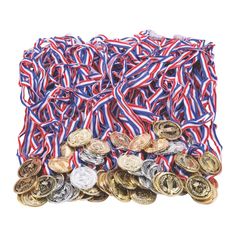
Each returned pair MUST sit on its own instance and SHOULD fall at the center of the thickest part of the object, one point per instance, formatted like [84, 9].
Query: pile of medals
[132, 179]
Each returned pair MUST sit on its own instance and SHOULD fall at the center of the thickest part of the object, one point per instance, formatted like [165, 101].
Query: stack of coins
[133, 178]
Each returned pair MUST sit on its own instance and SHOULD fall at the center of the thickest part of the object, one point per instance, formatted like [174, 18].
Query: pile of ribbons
[122, 85]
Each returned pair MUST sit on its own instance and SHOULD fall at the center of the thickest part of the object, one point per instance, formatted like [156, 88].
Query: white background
[23, 22]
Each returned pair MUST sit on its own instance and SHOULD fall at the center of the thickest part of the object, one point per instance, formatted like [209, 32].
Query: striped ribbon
[120, 85]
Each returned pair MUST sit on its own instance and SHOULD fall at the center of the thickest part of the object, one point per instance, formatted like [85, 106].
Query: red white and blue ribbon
[122, 85]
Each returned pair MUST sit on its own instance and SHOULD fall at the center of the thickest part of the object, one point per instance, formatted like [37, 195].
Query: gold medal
[45, 185]
[129, 162]
[29, 200]
[167, 129]
[187, 162]
[199, 188]
[100, 198]
[140, 142]
[94, 191]
[66, 150]
[119, 192]
[120, 140]
[25, 184]
[168, 183]
[158, 145]
[30, 167]
[210, 164]
[124, 179]
[211, 198]
[143, 196]
[79, 137]
[98, 147]
[59, 165]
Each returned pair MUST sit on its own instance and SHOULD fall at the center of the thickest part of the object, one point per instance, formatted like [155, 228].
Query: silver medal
[83, 177]
[61, 195]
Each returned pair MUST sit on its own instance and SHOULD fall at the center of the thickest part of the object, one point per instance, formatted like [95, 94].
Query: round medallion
[167, 129]
[61, 195]
[140, 142]
[130, 162]
[209, 163]
[143, 196]
[29, 200]
[124, 179]
[158, 145]
[98, 147]
[187, 162]
[45, 185]
[30, 167]
[25, 184]
[119, 192]
[79, 137]
[120, 140]
[168, 183]
[66, 150]
[83, 177]
[198, 187]
[59, 165]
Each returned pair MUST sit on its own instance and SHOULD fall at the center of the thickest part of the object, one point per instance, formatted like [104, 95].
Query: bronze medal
[45, 185]
[25, 184]
[30, 167]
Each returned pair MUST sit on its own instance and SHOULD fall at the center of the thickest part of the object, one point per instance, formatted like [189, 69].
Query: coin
[66, 150]
[59, 165]
[61, 195]
[130, 162]
[209, 163]
[124, 179]
[100, 198]
[187, 162]
[119, 192]
[140, 142]
[83, 177]
[29, 200]
[198, 187]
[143, 196]
[98, 147]
[45, 185]
[120, 140]
[158, 145]
[79, 137]
[167, 129]
[168, 183]
[30, 167]
[25, 184]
